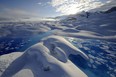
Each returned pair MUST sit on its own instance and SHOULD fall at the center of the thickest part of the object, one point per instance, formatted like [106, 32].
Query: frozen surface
[50, 52]
[47, 58]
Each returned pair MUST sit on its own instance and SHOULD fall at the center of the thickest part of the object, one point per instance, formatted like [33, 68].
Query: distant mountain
[111, 10]
[84, 14]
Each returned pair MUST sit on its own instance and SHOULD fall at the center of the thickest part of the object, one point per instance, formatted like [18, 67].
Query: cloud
[74, 6]
[16, 13]
[39, 3]
[44, 4]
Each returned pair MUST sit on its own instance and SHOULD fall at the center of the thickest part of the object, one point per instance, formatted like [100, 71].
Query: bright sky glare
[48, 8]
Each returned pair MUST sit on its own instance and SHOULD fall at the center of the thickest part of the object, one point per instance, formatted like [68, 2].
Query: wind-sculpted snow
[56, 41]
[22, 29]
[96, 26]
[48, 58]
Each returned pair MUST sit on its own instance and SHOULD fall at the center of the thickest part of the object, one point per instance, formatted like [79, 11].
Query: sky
[48, 8]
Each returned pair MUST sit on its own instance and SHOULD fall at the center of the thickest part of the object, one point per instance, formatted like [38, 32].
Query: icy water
[102, 54]
[8, 45]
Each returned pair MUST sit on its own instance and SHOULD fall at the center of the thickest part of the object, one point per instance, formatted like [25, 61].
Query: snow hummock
[48, 58]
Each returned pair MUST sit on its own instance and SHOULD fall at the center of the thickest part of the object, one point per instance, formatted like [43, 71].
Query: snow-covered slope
[95, 25]
[48, 58]
[6, 60]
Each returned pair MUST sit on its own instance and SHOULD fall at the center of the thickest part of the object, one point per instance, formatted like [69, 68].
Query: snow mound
[48, 58]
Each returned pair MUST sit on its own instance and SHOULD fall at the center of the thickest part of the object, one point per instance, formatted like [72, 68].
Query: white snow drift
[48, 58]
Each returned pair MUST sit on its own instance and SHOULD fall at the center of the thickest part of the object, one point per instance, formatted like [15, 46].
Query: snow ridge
[48, 58]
